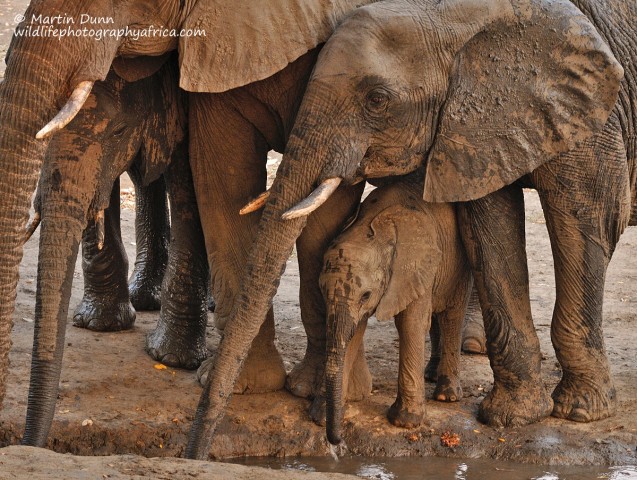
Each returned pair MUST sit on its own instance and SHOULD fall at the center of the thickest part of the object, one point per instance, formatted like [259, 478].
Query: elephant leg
[413, 323]
[473, 337]
[105, 306]
[450, 323]
[152, 231]
[585, 217]
[179, 339]
[431, 370]
[492, 230]
[323, 226]
[228, 157]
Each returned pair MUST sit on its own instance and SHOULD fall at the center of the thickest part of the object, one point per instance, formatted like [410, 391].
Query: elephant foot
[262, 372]
[145, 293]
[306, 377]
[406, 416]
[318, 411]
[104, 315]
[583, 402]
[447, 390]
[473, 345]
[526, 404]
[186, 351]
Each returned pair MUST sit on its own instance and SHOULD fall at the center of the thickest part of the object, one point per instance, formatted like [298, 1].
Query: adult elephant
[262, 55]
[484, 93]
[142, 130]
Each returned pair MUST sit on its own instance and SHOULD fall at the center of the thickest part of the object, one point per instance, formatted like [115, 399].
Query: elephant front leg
[492, 230]
[105, 306]
[586, 391]
[228, 157]
[179, 339]
[152, 232]
[413, 323]
[450, 322]
[306, 379]
[585, 216]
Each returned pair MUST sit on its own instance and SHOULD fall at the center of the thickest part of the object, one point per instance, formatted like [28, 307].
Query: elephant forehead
[353, 260]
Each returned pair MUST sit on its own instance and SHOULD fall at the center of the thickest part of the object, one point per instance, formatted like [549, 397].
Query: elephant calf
[402, 258]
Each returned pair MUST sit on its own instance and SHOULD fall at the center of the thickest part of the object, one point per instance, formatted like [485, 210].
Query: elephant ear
[416, 257]
[248, 40]
[133, 69]
[523, 90]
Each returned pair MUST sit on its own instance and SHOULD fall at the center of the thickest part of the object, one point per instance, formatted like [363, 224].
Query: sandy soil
[39, 464]
[115, 399]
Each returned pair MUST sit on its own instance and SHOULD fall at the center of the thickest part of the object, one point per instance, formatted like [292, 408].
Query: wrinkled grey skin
[134, 136]
[261, 58]
[109, 304]
[402, 258]
[483, 93]
[141, 127]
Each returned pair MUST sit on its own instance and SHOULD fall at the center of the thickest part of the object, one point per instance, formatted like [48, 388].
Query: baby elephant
[401, 258]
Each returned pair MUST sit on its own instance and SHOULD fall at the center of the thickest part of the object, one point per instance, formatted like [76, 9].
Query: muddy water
[443, 468]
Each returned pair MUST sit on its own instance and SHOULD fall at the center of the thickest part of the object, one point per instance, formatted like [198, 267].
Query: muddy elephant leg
[450, 323]
[228, 158]
[585, 217]
[323, 226]
[179, 339]
[473, 337]
[152, 232]
[105, 306]
[492, 230]
[431, 370]
[413, 323]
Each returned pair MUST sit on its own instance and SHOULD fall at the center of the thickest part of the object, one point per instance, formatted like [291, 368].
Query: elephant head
[483, 92]
[380, 265]
[222, 45]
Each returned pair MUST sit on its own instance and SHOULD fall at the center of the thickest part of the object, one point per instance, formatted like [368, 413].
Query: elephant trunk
[26, 104]
[340, 330]
[65, 199]
[274, 242]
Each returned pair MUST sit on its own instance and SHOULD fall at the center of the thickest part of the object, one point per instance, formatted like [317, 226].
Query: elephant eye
[377, 100]
[119, 130]
[366, 296]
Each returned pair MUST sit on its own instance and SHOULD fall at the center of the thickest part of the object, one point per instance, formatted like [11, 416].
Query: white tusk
[255, 204]
[68, 111]
[99, 220]
[317, 198]
[32, 226]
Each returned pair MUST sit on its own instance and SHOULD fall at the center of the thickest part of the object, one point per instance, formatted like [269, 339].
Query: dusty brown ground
[114, 399]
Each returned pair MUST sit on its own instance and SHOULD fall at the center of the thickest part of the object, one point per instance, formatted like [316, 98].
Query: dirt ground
[115, 399]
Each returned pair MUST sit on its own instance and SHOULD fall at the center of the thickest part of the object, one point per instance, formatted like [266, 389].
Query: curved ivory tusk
[32, 226]
[68, 111]
[317, 198]
[255, 204]
[99, 220]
